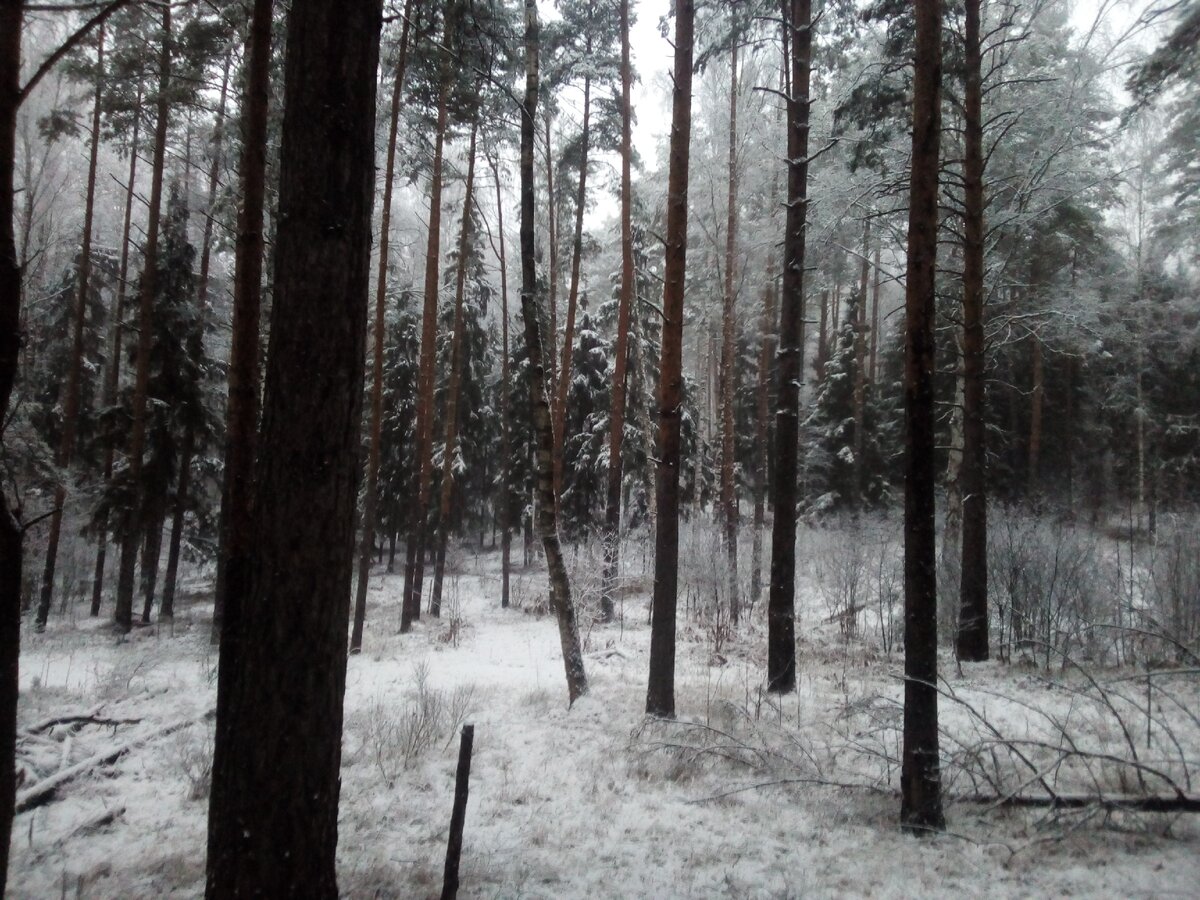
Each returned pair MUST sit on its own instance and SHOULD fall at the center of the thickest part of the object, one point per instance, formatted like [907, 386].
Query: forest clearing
[745, 795]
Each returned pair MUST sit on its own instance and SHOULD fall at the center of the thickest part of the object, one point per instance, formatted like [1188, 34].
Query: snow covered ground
[742, 797]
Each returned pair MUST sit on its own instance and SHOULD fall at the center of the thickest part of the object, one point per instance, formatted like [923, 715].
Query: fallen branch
[44, 789]
[1118, 803]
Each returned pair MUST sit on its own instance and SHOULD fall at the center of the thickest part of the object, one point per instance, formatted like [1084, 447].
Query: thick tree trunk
[455, 385]
[972, 642]
[781, 599]
[414, 576]
[371, 500]
[112, 374]
[660, 693]
[564, 383]
[547, 522]
[10, 349]
[66, 447]
[616, 419]
[241, 414]
[729, 504]
[147, 289]
[274, 804]
[920, 778]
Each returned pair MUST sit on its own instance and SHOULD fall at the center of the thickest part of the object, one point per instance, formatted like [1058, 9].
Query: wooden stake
[454, 847]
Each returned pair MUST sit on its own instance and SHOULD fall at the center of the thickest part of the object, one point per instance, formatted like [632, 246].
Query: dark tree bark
[875, 314]
[112, 374]
[660, 693]
[273, 809]
[533, 315]
[10, 348]
[414, 574]
[241, 413]
[781, 599]
[135, 522]
[972, 642]
[195, 351]
[151, 550]
[860, 362]
[564, 382]
[66, 447]
[729, 505]
[920, 778]
[616, 419]
[370, 502]
[455, 385]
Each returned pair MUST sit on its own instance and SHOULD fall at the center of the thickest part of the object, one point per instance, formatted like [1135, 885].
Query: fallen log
[1180, 803]
[41, 792]
[91, 717]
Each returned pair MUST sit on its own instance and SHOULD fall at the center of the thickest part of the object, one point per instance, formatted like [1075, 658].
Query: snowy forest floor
[743, 796]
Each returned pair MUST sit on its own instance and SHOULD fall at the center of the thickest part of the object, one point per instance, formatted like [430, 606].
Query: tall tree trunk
[729, 503]
[112, 374]
[147, 289]
[371, 500]
[455, 385]
[972, 642]
[860, 363]
[920, 778]
[564, 382]
[10, 350]
[282, 678]
[66, 447]
[616, 418]
[505, 403]
[660, 693]
[236, 529]
[1036, 396]
[762, 428]
[195, 351]
[531, 312]
[414, 574]
[781, 599]
[875, 313]
[823, 337]
[151, 551]
[552, 252]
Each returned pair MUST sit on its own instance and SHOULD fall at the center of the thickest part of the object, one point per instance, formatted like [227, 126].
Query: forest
[620, 448]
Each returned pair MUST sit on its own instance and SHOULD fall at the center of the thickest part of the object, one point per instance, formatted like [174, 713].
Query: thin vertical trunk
[1036, 397]
[274, 806]
[920, 777]
[860, 364]
[972, 641]
[10, 351]
[547, 522]
[505, 402]
[781, 601]
[455, 384]
[371, 501]
[729, 506]
[835, 313]
[196, 349]
[875, 315]
[823, 337]
[66, 447]
[660, 693]
[112, 374]
[616, 419]
[552, 252]
[564, 382]
[762, 429]
[147, 290]
[415, 574]
[236, 533]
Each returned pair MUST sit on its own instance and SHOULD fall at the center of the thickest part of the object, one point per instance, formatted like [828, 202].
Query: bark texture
[781, 599]
[660, 693]
[920, 777]
[274, 803]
